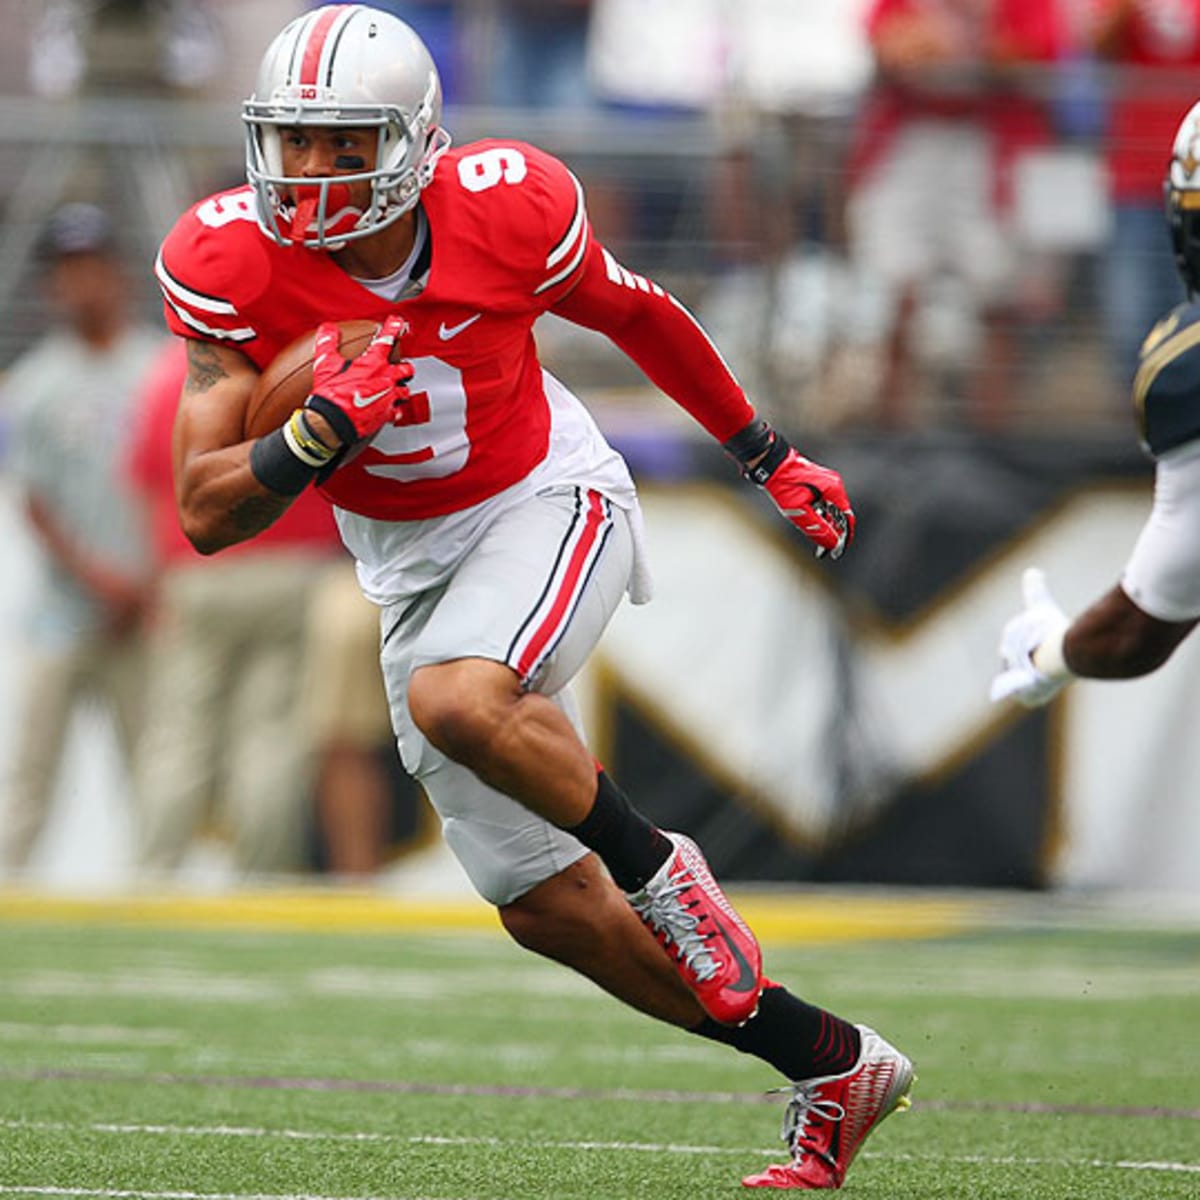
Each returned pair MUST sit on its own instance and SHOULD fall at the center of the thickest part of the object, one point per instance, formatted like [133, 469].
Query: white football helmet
[1182, 196]
[357, 67]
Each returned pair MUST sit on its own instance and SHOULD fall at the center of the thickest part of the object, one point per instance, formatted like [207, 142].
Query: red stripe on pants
[566, 592]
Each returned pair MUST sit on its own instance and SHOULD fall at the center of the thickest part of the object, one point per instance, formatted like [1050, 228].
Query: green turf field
[177, 1063]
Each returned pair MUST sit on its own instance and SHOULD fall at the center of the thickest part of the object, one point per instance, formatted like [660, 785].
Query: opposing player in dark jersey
[1135, 627]
[490, 520]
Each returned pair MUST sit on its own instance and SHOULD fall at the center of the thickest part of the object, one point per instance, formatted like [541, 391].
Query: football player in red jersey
[490, 521]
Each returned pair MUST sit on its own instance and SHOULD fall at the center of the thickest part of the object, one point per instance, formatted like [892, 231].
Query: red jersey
[510, 239]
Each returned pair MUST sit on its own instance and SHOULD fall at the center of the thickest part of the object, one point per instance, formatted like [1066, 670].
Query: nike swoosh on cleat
[747, 980]
[446, 332]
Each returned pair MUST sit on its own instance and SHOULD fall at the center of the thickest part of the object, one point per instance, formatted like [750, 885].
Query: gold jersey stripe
[1156, 360]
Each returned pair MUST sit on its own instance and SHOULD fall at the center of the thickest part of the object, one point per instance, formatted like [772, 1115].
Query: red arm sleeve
[662, 337]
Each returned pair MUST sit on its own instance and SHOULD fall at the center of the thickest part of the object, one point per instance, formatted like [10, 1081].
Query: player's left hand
[814, 499]
[1041, 619]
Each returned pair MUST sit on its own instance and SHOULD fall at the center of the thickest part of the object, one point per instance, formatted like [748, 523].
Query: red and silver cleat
[715, 953]
[828, 1119]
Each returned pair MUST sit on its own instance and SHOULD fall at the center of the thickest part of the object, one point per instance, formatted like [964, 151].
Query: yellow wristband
[303, 443]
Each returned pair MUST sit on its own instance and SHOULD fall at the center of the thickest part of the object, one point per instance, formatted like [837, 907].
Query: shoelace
[806, 1105]
[668, 914]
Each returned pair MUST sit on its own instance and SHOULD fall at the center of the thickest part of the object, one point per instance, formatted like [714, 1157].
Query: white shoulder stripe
[173, 288]
[577, 222]
[244, 334]
[571, 266]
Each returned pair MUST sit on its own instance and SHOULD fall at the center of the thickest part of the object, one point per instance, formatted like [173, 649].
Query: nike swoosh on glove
[1041, 620]
[359, 396]
[814, 499]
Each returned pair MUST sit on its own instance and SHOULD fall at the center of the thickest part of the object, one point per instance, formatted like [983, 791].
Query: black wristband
[758, 440]
[341, 424]
[336, 461]
[275, 466]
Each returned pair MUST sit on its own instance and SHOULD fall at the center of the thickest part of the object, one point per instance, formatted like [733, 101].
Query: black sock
[630, 846]
[798, 1040]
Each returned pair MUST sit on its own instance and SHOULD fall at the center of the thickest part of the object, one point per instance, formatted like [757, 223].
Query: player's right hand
[359, 396]
[814, 499]
[1040, 620]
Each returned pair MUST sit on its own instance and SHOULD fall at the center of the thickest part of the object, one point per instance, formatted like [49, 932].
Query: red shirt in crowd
[952, 84]
[1160, 40]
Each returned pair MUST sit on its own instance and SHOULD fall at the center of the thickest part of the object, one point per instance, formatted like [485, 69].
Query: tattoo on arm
[204, 367]
[256, 513]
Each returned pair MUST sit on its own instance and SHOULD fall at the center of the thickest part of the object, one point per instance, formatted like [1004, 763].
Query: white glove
[1042, 623]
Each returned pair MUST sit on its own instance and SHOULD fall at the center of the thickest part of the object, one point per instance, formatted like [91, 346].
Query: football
[287, 381]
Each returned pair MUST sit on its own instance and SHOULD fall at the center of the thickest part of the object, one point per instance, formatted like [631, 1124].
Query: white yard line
[30, 1031]
[251, 1131]
[463, 984]
[1002, 1160]
[196, 986]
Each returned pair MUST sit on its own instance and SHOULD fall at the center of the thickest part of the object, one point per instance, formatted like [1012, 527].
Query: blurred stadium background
[809, 724]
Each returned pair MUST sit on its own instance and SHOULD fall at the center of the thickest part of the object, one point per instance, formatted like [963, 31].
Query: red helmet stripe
[317, 36]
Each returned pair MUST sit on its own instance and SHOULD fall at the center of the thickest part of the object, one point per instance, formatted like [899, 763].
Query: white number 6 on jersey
[501, 164]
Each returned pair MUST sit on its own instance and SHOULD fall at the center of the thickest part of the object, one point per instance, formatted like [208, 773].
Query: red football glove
[359, 396]
[814, 499]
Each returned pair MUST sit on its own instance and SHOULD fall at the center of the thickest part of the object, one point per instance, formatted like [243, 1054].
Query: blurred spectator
[505, 53]
[57, 58]
[1156, 45]
[649, 66]
[538, 55]
[778, 309]
[70, 399]
[930, 197]
[670, 54]
[99, 44]
[224, 740]
[347, 726]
